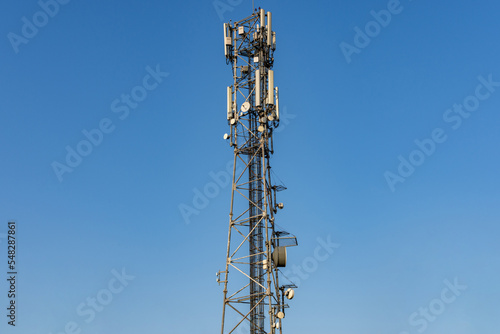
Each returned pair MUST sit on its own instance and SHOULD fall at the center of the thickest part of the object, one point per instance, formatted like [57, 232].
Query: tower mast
[255, 248]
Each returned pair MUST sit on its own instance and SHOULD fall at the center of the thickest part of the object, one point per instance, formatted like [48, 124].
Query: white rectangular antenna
[227, 39]
[269, 29]
[262, 18]
[277, 104]
[257, 88]
[270, 90]
[229, 102]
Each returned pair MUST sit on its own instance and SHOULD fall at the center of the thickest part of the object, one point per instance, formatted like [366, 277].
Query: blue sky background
[347, 125]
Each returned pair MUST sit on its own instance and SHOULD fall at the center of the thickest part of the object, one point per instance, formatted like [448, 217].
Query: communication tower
[256, 247]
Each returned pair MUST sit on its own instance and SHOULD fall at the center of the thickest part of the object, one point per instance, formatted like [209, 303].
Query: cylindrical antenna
[262, 18]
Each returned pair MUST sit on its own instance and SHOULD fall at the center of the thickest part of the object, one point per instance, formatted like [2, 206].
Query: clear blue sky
[359, 106]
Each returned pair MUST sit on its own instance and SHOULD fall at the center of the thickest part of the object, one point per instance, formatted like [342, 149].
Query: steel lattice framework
[255, 248]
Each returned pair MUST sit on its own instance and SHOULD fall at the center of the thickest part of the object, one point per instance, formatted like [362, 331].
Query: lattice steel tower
[256, 248]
